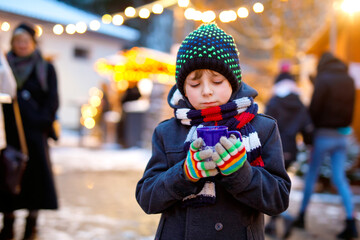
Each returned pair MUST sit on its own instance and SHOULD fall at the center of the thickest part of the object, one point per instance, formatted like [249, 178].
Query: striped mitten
[196, 165]
[229, 155]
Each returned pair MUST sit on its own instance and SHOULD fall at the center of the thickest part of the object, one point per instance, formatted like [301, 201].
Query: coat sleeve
[267, 188]
[162, 186]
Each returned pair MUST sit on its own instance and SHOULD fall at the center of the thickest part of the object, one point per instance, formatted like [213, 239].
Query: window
[81, 53]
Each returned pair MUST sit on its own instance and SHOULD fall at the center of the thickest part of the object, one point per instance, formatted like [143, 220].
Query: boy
[224, 198]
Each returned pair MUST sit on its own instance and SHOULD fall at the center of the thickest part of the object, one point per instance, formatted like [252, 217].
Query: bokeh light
[118, 20]
[189, 13]
[157, 8]
[243, 12]
[106, 19]
[350, 6]
[183, 3]
[208, 16]
[5, 26]
[89, 123]
[70, 28]
[258, 7]
[94, 25]
[144, 13]
[39, 30]
[81, 27]
[130, 12]
[227, 16]
[58, 29]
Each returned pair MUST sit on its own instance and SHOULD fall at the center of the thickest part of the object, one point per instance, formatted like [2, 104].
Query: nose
[207, 90]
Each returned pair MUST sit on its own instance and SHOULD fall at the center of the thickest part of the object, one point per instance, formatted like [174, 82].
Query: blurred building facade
[73, 55]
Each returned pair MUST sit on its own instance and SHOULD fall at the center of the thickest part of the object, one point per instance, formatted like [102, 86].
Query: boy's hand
[195, 167]
[230, 155]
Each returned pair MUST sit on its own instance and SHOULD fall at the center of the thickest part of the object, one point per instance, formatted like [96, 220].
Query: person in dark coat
[292, 118]
[291, 114]
[331, 109]
[226, 197]
[37, 96]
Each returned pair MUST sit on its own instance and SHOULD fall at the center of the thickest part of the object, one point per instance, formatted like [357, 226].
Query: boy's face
[206, 88]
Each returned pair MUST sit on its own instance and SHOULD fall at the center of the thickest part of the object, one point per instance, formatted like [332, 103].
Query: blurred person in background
[331, 109]
[37, 95]
[292, 118]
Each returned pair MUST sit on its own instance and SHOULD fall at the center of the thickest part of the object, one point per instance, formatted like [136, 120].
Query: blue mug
[212, 134]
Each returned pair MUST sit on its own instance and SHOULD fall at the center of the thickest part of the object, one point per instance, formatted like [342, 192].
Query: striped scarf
[236, 115]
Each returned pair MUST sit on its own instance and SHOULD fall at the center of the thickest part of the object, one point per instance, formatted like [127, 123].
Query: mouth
[209, 104]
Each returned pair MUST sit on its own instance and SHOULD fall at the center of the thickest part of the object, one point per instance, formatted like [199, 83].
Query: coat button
[218, 226]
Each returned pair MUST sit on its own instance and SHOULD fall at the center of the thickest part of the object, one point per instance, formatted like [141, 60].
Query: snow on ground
[67, 155]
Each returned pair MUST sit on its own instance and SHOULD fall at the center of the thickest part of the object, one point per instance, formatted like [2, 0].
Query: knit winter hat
[208, 47]
[24, 27]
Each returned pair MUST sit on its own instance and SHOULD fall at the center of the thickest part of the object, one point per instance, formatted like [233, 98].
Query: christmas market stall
[131, 98]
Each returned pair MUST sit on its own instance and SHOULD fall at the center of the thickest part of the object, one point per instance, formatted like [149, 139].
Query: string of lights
[144, 12]
[157, 7]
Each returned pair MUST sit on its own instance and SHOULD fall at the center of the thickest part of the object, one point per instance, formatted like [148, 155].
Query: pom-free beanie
[208, 47]
[27, 28]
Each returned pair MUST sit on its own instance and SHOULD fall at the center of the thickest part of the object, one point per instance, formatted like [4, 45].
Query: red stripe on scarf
[212, 114]
[258, 162]
[243, 119]
[210, 111]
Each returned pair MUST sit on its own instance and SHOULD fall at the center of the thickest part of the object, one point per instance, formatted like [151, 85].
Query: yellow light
[90, 185]
[88, 111]
[39, 30]
[258, 7]
[144, 13]
[157, 8]
[89, 123]
[118, 20]
[183, 3]
[81, 27]
[350, 6]
[94, 91]
[94, 25]
[130, 12]
[70, 28]
[58, 29]
[5, 26]
[243, 12]
[95, 101]
[106, 18]
[122, 85]
[189, 13]
[208, 16]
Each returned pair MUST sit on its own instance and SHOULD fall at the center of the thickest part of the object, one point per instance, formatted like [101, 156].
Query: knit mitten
[196, 165]
[229, 155]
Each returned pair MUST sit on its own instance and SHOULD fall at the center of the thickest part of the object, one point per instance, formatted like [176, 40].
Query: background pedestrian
[37, 96]
[293, 118]
[331, 109]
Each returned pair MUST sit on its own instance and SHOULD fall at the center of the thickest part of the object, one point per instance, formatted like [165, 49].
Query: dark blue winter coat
[241, 198]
